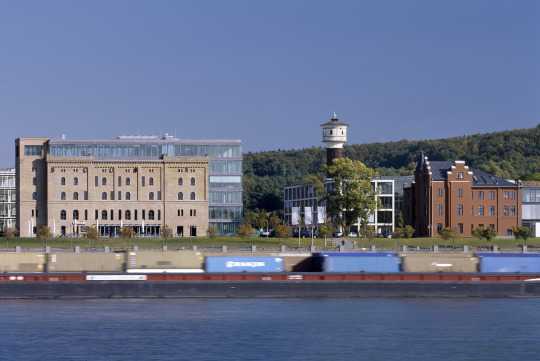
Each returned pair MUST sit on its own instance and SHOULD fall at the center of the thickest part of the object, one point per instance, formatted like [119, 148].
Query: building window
[34, 181]
[480, 210]
[119, 195]
[491, 210]
[143, 181]
[85, 195]
[460, 192]
[104, 215]
[159, 215]
[491, 195]
[193, 231]
[143, 214]
[75, 214]
[63, 196]
[34, 196]
[63, 181]
[151, 196]
[440, 209]
[128, 181]
[180, 181]
[460, 228]
[192, 181]
[128, 215]
[192, 196]
[440, 192]
[509, 232]
[158, 195]
[128, 196]
[460, 209]
[151, 181]
[63, 215]
[151, 215]
[104, 196]
[96, 214]
[112, 215]
[103, 181]
[180, 196]
[75, 181]
[119, 214]
[96, 181]
[439, 227]
[513, 211]
[481, 195]
[75, 196]
[509, 195]
[135, 214]
[119, 181]
[460, 175]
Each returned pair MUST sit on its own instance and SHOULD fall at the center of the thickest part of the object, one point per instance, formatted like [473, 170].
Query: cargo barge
[266, 285]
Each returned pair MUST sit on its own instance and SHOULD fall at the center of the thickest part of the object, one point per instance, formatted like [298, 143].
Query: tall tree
[352, 198]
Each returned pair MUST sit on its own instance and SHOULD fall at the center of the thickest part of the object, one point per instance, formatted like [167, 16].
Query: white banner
[321, 215]
[295, 216]
[308, 216]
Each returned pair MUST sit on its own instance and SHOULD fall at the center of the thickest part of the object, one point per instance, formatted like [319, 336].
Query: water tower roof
[334, 121]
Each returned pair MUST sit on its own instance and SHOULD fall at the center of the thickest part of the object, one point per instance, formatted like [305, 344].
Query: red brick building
[451, 195]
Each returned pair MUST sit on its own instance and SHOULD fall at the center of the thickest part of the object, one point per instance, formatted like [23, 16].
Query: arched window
[192, 181]
[128, 196]
[103, 181]
[180, 196]
[151, 196]
[75, 181]
[151, 215]
[104, 196]
[63, 181]
[128, 215]
[104, 215]
[76, 214]
[180, 181]
[128, 181]
[63, 196]
[75, 196]
[150, 181]
[63, 215]
[192, 196]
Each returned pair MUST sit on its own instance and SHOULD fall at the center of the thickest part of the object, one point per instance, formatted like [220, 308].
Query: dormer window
[460, 175]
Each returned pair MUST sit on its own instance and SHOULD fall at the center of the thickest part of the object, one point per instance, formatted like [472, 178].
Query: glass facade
[8, 198]
[225, 167]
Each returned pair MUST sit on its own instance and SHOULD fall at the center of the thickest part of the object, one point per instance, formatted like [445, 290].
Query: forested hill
[510, 154]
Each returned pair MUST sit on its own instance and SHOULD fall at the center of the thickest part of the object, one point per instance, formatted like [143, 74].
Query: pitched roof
[439, 171]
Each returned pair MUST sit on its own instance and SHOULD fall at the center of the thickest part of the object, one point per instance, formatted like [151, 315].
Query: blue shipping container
[372, 262]
[509, 262]
[222, 264]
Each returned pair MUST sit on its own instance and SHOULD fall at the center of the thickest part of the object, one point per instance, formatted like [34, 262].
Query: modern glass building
[8, 196]
[225, 166]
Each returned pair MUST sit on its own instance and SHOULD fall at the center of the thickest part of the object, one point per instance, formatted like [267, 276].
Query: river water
[255, 329]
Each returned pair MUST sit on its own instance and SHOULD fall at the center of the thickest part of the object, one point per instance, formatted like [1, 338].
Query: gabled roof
[439, 171]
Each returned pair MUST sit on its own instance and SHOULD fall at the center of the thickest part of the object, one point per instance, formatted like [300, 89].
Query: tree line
[513, 154]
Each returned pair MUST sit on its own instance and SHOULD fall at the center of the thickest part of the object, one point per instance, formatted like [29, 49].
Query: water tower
[334, 137]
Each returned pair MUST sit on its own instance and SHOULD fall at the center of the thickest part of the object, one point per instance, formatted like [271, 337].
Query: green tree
[326, 230]
[404, 232]
[484, 233]
[274, 221]
[10, 233]
[351, 197]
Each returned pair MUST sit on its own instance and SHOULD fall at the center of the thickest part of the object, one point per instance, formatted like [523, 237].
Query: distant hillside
[510, 154]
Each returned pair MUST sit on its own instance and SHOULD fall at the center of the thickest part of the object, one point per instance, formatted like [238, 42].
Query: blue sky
[267, 72]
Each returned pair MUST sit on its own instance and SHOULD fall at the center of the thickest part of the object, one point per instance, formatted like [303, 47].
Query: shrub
[166, 232]
[43, 232]
[10, 233]
[245, 230]
[484, 233]
[404, 232]
[126, 232]
[282, 231]
[447, 233]
[325, 230]
[211, 231]
[522, 232]
[92, 233]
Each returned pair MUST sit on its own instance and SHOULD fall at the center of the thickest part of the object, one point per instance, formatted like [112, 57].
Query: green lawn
[261, 243]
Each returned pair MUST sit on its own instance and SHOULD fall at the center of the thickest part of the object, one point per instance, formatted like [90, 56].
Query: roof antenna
[334, 116]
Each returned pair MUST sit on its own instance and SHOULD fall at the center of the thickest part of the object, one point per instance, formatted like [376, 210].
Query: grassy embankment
[261, 243]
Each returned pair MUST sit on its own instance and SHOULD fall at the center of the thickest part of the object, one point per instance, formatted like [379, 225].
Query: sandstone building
[145, 183]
